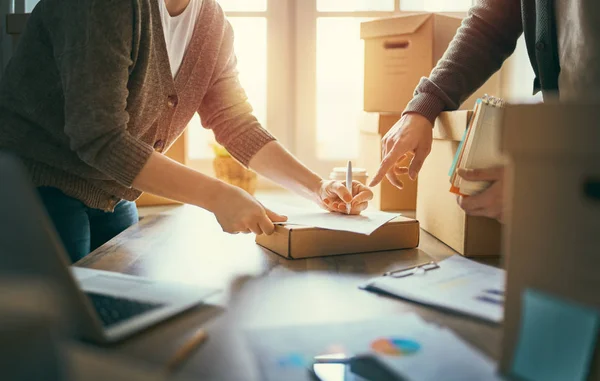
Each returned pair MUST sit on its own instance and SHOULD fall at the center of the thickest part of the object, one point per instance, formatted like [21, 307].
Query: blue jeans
[83, 229]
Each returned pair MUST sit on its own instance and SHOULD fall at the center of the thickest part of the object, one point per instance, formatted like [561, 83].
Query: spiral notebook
[480, 147]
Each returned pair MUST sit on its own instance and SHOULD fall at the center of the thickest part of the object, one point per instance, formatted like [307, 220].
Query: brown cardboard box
[437, 209]
[296, 242]
[552, 239]
[385, 196]
[400, 50]
[177, 152]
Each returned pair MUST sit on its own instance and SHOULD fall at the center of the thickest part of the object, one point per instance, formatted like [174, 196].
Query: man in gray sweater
[563, 42]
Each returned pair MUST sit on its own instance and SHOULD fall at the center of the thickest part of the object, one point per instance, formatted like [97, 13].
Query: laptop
[102, 306]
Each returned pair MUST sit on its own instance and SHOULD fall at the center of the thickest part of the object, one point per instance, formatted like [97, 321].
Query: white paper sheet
[442, 355]
[365, 223]
[459, 284]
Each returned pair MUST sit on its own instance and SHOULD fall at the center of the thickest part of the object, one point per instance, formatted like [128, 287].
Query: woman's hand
[333, 196]
[239, 212]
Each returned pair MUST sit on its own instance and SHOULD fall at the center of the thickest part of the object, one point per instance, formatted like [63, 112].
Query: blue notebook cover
[462, 142]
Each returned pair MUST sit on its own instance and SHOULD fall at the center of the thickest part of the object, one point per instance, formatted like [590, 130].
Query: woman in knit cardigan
[98, 90]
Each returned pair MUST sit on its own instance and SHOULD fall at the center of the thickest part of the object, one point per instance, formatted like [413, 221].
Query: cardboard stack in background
[437, 209]
[399, 51]
[385, 195]
[553, 193]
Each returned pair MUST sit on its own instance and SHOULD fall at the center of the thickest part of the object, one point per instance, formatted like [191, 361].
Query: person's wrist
[416, 117]
[212, 194]
[316, 189]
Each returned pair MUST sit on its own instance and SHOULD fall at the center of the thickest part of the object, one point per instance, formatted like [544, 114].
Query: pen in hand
[349, 186]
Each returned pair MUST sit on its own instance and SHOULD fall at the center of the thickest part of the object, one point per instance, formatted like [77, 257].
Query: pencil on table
[199, 337]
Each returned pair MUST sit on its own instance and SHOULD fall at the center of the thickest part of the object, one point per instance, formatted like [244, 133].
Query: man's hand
[490, 202]
[412, 134]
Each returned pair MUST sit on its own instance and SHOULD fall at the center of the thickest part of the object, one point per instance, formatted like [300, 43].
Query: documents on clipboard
[457, 284]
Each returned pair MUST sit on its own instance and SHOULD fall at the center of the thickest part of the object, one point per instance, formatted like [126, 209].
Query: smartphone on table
[341, 367]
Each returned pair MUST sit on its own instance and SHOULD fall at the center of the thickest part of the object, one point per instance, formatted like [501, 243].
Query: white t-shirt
[178, 31]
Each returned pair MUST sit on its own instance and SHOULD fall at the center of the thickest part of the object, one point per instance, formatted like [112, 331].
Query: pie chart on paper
[394, 346]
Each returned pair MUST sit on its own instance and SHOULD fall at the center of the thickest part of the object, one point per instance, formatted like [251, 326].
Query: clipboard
[412, 270]
[455, 284]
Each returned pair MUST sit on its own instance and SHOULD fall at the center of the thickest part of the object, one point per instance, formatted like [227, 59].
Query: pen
[349, 185]
[187, 348]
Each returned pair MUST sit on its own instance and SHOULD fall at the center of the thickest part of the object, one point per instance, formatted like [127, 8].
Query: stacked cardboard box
[437, 209]
[400, 50]
[385, 195]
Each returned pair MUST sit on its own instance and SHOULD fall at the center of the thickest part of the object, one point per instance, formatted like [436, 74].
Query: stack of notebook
[480, 146]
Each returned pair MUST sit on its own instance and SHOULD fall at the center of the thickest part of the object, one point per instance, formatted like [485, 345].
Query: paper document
[365, 223]
[411, 347]
[459, 284]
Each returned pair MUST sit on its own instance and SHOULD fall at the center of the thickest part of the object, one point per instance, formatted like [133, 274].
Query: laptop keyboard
[114, 310]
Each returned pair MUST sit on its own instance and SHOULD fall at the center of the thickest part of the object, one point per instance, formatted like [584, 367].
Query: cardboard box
[437, 209]
[294, 242]
[399, 50]
[177, 152]
[386, 197]
[552, 242]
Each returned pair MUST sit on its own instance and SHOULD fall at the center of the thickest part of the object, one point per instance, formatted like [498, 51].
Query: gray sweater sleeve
[93, 55]
[485, 39]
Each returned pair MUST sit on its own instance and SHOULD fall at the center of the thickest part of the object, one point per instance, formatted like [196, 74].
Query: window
[251, 52]
[301, 64]
[243, 5]
[355, 5]
[339, 86]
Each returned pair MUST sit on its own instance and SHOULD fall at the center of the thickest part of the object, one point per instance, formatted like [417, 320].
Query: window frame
[305, 132]
[279, 113]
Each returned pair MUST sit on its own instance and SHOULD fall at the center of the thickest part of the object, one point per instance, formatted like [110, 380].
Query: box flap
[378, 123]
[451, 125]
[551, 129]
[403, 23]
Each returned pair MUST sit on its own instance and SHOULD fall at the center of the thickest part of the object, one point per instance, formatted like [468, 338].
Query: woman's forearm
[277, 164]
[167, 178]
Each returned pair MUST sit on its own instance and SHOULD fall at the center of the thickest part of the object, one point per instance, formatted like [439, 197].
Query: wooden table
[260, 288]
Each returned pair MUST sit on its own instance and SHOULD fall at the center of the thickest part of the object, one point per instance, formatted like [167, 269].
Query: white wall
[435, 5]
[517, 76]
